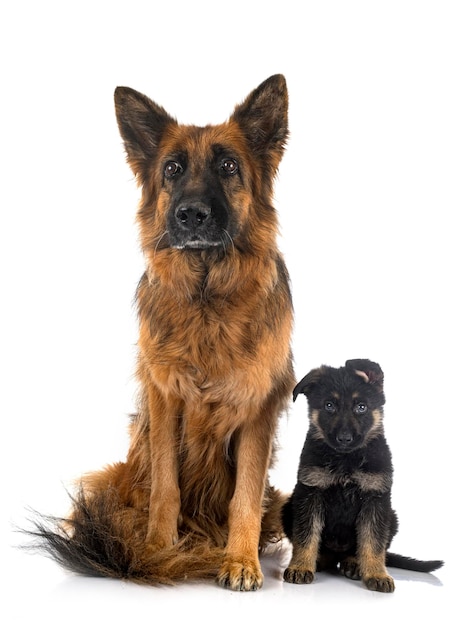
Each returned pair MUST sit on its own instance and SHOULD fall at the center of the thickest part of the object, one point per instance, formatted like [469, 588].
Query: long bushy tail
[103, 538]
[407, 562]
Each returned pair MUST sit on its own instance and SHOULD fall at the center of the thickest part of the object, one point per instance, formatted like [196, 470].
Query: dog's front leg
[372, 529]
[307, 517]
[241, 570]
[164, 502]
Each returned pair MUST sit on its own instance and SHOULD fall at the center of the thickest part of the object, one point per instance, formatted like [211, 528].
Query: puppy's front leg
[307, 514]
[241, 569]
[164, 502]
[373, 523]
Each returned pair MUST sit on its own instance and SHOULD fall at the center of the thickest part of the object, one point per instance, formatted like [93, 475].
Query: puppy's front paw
[382, 583]
[350, 568]
[298, 576]
[240, 575]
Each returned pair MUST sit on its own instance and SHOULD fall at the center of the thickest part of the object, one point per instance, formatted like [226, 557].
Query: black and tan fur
[192, 500]
[340, 512]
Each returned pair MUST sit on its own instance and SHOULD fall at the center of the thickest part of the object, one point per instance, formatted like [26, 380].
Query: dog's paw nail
[298, 576]
[384, 584]
[240, 576]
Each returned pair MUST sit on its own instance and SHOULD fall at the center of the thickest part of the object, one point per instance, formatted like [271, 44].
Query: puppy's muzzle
[344, 438]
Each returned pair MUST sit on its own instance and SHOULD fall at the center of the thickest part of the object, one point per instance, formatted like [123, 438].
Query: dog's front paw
[298, 576]
[240, 575]
[382, 583]
[350, 568]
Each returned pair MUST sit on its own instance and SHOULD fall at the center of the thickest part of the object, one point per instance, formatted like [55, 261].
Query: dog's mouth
[200, 239]
[343, 445]
[196, 243]
[345, 448]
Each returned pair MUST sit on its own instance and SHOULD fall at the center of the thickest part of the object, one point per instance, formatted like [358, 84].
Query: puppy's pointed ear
[368, 370]
[263, 118]
[307, 383]
[141, 123]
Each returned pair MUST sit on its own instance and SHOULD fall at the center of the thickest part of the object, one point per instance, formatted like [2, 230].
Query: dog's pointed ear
[307, 383]
[368, 370]
[263, 117]
[142, 123]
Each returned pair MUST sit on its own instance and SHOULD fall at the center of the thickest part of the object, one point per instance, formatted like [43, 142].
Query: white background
[374, 197]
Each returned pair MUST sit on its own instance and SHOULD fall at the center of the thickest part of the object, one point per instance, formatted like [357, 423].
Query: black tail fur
[415, 565]
[95, 541]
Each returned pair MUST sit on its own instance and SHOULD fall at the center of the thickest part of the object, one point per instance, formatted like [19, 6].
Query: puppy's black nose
[344, 437]
[193, 216]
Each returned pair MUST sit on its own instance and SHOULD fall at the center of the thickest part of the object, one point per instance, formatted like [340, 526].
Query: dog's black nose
[193, 216]
[344, 437]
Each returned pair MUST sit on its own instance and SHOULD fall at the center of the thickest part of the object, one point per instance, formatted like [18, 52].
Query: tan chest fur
[214, 347]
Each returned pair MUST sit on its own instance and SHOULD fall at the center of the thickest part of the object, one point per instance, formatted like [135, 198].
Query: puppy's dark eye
[229, 167]
[172, 168]
[329, 406]
[360, 408]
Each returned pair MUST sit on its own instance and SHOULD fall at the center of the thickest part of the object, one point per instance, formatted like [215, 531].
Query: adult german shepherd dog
[340, 512]
[192, 499]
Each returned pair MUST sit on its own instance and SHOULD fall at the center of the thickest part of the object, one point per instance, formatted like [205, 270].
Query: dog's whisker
[228, 237]
[160, 238]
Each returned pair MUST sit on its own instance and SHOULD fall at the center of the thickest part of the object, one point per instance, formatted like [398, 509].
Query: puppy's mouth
[345, 449]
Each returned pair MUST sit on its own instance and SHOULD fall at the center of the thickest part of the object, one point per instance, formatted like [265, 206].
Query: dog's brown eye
[229, 166]
[172, 168]
[360, 408]
[329, 406]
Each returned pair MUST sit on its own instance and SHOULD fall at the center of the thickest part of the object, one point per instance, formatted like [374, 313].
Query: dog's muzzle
[193, 217]
[195, 226]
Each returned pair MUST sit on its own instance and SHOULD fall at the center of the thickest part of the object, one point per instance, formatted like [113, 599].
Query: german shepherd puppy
[340, 511]
[191, 500]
